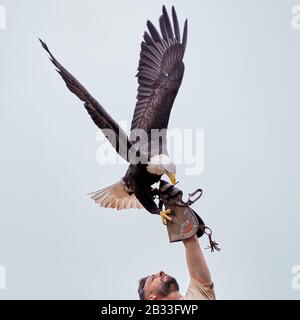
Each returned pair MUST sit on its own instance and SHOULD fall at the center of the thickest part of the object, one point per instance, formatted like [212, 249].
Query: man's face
[159, 286]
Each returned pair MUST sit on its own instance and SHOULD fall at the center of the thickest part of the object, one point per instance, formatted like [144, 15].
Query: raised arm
[196, 263]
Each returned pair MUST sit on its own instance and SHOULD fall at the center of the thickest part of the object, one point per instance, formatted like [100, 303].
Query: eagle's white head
[161, 164]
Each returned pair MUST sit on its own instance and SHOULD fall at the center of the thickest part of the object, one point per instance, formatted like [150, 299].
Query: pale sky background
[241, 86]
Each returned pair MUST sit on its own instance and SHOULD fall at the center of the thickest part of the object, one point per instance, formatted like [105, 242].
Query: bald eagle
[160, 73]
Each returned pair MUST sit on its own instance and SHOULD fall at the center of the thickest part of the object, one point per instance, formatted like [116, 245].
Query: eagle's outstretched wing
[160, 73]
[113, 132]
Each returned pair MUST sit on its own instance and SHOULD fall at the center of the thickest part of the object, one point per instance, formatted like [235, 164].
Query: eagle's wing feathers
[160, 73]
[114, 133]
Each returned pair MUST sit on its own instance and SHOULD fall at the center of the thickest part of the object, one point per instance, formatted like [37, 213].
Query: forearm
[197, 266]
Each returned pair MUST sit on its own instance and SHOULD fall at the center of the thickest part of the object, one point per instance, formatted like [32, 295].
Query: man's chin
[170, 283]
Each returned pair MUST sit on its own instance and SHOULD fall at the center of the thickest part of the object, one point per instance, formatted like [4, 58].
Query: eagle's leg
[146, 197]
[165, 215]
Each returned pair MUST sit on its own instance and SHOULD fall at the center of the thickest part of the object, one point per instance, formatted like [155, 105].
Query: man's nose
[161, 273]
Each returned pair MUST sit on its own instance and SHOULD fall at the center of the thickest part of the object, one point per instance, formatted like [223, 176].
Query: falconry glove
[185, 221]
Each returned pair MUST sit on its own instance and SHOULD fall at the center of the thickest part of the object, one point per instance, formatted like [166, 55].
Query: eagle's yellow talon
[165, 215]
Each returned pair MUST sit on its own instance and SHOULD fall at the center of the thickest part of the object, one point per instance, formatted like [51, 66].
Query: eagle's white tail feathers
[115, 197]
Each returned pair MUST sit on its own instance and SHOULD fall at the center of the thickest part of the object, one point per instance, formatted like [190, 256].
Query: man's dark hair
[141, 290]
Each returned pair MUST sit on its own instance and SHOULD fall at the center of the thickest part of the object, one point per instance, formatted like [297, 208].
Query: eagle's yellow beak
[172, 177]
